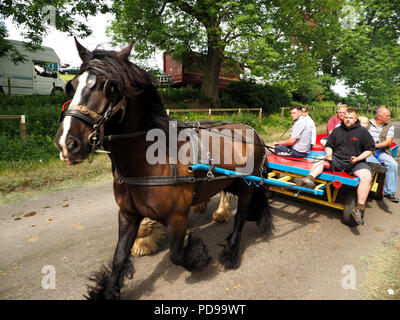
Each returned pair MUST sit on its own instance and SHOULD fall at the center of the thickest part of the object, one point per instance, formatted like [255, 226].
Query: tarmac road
[311, 254]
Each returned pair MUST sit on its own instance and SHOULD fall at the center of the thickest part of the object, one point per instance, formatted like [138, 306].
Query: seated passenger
[334, 122]
[346, 150]
[364, 121]
[311, 123]
[299, 143]
[382, 132]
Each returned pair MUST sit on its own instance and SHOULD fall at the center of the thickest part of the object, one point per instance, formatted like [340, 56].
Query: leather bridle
[94, 119]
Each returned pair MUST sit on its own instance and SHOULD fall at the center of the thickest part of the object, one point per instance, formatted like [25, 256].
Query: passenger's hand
[353, 159]
[276, 143]
[328, 157]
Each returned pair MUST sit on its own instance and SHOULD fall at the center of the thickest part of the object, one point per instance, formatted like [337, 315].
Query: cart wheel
[349, 203]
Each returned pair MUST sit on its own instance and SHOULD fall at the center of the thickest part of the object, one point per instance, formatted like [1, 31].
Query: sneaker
[358, 215]
[304, 182]
[392, 198]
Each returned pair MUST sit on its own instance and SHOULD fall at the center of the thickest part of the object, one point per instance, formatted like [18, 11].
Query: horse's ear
[84, 53]
[124, 53]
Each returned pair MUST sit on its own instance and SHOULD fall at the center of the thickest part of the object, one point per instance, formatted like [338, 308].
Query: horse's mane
[131, 81]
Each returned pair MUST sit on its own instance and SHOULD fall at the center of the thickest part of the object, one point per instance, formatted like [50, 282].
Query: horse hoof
[229, 259]
[196, 254]
[147, 243]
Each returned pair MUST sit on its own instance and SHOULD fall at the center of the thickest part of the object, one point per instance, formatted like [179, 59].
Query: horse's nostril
[72, 145]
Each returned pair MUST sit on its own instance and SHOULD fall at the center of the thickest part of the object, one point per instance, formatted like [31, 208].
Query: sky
[64, 45]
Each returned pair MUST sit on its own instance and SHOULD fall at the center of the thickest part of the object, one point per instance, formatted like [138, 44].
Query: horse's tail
[259, 211]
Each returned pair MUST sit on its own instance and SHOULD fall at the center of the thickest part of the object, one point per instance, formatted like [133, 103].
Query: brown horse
[115, 104]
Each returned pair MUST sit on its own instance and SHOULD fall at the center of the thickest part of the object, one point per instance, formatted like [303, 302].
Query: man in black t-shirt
[346, 150]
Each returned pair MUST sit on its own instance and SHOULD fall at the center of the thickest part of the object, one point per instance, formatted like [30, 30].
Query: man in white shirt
[299, 143]
[311, 123]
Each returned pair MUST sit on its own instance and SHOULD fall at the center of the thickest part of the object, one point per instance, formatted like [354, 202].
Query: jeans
[391, 178]
[289, 152]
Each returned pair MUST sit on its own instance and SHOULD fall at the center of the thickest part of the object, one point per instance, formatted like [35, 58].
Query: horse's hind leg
[252, 206]
[108, 285]
[194, 254]
[229, 257]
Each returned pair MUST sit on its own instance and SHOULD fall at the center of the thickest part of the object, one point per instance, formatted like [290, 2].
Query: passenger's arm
[384, 144]
[328, 154]
[361, 157]
[289, 142]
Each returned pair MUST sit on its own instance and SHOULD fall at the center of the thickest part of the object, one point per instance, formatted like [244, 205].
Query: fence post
[260, 115]
[9, 85]
[209, 114]
[282, 115]
[239, 112]
[312, 112]
[167, 111]
[22, 127]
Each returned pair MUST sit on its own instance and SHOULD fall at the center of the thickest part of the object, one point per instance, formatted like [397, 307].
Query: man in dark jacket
[346, 150]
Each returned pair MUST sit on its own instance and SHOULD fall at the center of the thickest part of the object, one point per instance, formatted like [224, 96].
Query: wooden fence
[22, 127]
[210, 111]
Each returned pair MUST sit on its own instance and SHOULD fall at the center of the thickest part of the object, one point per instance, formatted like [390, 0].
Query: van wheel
[55, 91]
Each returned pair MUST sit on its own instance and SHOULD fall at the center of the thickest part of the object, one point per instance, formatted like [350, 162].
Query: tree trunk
[211, 69]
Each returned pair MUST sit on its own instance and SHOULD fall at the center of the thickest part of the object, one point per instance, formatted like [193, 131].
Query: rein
[95, 120]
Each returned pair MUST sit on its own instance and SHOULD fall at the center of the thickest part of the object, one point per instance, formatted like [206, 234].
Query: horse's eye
[110, 90]
[69, 90]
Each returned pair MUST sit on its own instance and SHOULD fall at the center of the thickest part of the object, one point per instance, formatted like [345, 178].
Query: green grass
[382, 280]
[26, 179]
[66, 77]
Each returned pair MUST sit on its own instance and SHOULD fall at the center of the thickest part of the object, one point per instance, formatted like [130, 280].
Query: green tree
[33, 15]
[209, 27]
[370, 55]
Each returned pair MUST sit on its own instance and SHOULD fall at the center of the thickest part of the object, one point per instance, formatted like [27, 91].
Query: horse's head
[98, 92]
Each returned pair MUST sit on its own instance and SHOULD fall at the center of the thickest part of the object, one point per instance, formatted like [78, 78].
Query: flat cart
[337, 190]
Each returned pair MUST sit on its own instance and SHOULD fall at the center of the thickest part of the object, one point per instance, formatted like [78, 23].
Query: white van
[36, 75]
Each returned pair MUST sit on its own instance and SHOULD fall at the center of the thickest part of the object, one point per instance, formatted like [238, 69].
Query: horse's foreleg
[109, 285]
[194, 254]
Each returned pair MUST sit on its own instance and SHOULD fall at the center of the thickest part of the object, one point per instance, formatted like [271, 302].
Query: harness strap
[78, 114]
[171, 180]
[92, 117]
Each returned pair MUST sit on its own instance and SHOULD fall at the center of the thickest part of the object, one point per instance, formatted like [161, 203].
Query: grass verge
[34, 178]
[382, 280]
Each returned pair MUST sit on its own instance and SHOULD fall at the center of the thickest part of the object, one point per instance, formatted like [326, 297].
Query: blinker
[91, 81]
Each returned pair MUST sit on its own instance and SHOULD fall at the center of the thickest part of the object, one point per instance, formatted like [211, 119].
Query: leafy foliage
[249, 94]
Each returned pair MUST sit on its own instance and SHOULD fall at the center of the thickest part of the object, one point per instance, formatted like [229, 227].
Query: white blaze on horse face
[67, 120]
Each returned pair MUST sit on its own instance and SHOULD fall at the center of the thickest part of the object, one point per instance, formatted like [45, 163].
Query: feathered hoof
[229, 259]
[195, 254]
[223, 213]
[148, 238]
